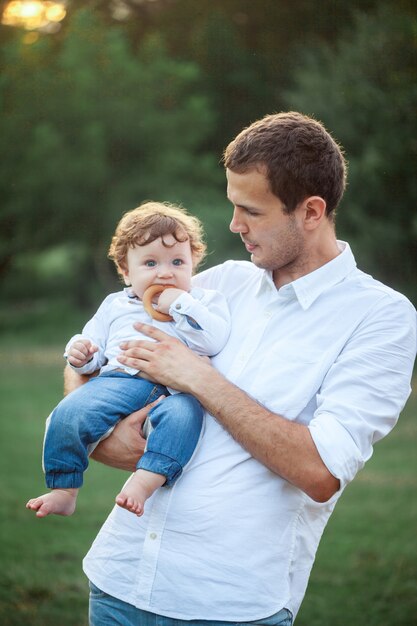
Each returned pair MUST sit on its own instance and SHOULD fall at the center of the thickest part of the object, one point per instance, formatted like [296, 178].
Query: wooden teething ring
[150, 292]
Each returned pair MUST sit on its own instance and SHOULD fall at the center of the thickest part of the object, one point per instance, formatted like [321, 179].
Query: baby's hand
[81, 352]
[167, 297]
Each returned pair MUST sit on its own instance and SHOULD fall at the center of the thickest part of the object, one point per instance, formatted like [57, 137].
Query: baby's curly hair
[150, 221]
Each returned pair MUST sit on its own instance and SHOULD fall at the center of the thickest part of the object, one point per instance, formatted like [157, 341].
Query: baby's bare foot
[57, 502]
[138, 489]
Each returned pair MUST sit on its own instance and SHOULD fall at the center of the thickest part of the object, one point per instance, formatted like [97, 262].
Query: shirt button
[268, 313]
[178, 306]
[153, 535]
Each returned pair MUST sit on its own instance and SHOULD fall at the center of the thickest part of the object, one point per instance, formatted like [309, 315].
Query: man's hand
[284, 446]
[126, 444]
[166, 359]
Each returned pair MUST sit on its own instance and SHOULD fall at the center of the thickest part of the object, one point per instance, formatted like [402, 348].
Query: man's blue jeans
[89, 412]
[106, 610]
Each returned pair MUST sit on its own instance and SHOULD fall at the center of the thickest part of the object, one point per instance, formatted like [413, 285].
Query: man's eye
[150, 263]
[177, 261]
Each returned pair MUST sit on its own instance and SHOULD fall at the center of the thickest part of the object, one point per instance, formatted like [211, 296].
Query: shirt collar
[130, 294]
[309, 287]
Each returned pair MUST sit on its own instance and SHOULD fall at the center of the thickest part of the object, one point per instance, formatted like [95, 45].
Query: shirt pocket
[286, 379]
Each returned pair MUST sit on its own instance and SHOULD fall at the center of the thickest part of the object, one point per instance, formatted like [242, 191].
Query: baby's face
[156, 263]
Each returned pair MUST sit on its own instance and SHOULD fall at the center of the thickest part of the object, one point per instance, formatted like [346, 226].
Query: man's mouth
[250, 247]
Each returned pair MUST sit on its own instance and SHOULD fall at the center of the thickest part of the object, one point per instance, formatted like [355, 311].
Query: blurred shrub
[364, 88]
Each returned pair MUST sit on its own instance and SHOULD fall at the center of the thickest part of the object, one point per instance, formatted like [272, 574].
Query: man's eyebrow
[245, 207]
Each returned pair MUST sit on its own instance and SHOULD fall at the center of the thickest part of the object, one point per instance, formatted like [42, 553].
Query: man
[316, 370]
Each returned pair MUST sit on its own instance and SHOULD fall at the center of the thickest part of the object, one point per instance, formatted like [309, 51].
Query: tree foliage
[364, 88]
[89, 129]
[134, 100]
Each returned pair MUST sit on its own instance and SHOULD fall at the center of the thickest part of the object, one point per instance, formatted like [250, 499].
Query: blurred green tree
[364, 88]
[245, 49]
[89, 129]
[131, 101]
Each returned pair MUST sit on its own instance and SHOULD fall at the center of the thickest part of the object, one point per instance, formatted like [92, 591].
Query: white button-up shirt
[231, 540]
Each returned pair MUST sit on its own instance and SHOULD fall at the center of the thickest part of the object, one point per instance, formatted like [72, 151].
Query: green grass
[41, 581]
[366, 568]
[365, 572]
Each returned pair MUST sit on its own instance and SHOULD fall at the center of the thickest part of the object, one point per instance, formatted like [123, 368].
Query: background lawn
[365, 573]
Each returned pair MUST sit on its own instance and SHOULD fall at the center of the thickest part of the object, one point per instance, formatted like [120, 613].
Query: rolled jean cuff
[64, 480]
[160, 464]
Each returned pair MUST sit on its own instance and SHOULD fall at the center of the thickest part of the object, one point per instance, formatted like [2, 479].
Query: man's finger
[145, 410]
[137, 344]
[151, 331]
[140, 415]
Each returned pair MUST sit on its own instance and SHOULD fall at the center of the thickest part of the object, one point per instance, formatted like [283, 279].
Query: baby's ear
[124, 272]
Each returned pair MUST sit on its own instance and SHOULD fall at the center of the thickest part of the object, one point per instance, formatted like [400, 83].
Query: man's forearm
[72, 380]
[285, 447]
[125, 445]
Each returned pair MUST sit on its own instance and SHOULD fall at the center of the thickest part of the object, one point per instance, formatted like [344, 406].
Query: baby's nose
[164, 271]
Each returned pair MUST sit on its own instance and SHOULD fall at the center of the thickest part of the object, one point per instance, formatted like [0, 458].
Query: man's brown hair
[150, 221]
[300, 156]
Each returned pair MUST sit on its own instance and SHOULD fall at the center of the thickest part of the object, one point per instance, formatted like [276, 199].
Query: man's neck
[312, 259]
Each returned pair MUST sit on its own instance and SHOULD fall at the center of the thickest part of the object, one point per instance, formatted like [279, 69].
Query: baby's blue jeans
[84, 416]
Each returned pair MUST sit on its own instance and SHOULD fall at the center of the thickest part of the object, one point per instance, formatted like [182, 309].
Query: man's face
[274, 239]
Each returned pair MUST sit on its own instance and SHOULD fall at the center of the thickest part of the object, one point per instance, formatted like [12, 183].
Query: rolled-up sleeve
[364, 391]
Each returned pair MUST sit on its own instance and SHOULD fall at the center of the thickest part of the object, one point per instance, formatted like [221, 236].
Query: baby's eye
[150, 263]
[177, 262]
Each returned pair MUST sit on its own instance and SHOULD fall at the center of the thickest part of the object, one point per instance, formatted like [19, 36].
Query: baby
[154, 244]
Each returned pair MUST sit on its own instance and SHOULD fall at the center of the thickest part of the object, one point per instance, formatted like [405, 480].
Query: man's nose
[236, 225]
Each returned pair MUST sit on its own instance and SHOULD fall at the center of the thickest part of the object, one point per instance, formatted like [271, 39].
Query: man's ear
[314, 212]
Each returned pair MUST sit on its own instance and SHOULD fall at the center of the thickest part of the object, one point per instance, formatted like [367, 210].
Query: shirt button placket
[152, 544]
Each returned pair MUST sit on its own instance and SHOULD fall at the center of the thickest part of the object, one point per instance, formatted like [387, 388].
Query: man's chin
[257, 261]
